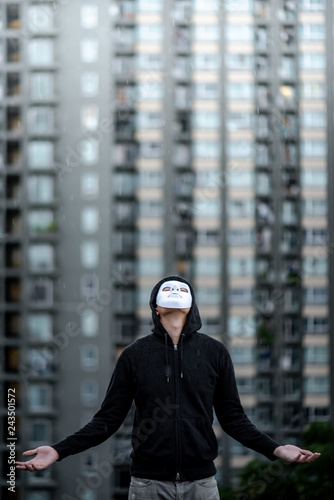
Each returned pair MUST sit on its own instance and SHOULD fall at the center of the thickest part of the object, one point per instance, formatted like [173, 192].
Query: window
[239, 121]
[240, 149]
[150, 90]
[41, 258]
[206, 61]
[313, 148]
[89, 323]
[207, 207]
[150, 208]
[239, 33]
[89, 392]
[240, 178]
[41, 292]
[150, 237]
[240, 296]
[207, 266]
[241, 326]
[316, 354]
[311, 5]
[39, 397]
[241, 237]
[149, 61]
[152, 266]
[41, 120]
[315, 295]
[40, 18]
[89, 150]
[40, 189]
[41, 86]
[89, 50]
[312, 32]
[242, 355]
[206, 90]
[313, 207]
[313, 119]
[316, 385]
[89, 286]
[90, 220]
[246, 385]
[239, 91]
[89, 84]
[41, 362]
[315, 266]
[151, 150]
[89, 254]
[206, 149]
[151, 178]
[40, 154]
[40, 431]
[240, 208]
[239, 5]
[149, 32]
[243, 266]
[89, 357]
[316, 324]
[40, 327]
[239, 61]
[206, 32]
[313, 90]
[90, 186]
[315, 236]
[208, 296]
[205, 6]
[312, 61]
[149, 5]
[90, 117]
[206, 119]
[147, 119]
[41, 221]
[89, 16]
[314, 178]
[40, 52]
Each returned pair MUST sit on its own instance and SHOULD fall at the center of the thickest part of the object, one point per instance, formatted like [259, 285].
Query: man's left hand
[292, 453]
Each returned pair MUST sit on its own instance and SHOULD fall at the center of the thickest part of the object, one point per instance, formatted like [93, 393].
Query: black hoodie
[175, 390]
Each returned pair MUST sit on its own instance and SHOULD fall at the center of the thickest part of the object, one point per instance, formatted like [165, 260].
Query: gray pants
[150, 489]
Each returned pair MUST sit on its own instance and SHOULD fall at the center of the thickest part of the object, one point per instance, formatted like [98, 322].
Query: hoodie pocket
[199, 442]
[154, 441]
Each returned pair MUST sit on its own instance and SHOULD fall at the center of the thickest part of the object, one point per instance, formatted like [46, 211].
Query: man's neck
[173, 323]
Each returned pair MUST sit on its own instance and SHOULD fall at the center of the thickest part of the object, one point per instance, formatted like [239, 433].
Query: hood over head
[193, 322]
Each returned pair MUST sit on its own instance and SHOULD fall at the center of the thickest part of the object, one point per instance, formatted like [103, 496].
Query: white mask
[174, 295]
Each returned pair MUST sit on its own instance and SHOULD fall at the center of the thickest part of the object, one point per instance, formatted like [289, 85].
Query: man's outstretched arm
[45, 456]
[293, 453]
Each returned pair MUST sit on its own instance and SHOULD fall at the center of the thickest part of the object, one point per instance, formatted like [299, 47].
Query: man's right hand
[45, 456]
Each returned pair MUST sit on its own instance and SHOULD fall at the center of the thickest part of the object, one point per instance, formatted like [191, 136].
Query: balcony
[182, 40]
[13, 50]
[14, 119]
[13, 291]
[13, 84]
[13, 323]
[13, 257]
[13, 154]
[13, 17]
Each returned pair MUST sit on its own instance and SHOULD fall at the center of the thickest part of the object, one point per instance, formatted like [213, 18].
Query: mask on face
[174, 295]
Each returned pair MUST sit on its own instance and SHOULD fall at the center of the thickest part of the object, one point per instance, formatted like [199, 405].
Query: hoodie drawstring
[168, 368]
[182, 337]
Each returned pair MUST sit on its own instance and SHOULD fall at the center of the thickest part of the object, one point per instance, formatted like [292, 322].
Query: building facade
[142, 138]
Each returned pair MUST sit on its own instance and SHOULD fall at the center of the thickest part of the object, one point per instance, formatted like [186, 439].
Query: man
[177, 377]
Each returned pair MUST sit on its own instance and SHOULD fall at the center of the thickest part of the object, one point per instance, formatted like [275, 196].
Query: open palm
[45, 456]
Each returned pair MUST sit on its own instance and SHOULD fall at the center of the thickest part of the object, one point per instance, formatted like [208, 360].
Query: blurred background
[142, 138]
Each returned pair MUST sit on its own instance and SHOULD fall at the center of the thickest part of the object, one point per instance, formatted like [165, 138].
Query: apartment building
[141, 138]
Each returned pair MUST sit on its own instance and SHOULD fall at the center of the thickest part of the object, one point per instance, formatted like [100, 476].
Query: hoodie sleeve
[231, 415]
[109, 418]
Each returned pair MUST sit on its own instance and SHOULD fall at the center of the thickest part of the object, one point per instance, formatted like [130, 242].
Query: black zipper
[178, 415]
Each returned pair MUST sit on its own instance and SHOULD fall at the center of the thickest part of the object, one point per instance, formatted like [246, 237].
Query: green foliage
[280, 480]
